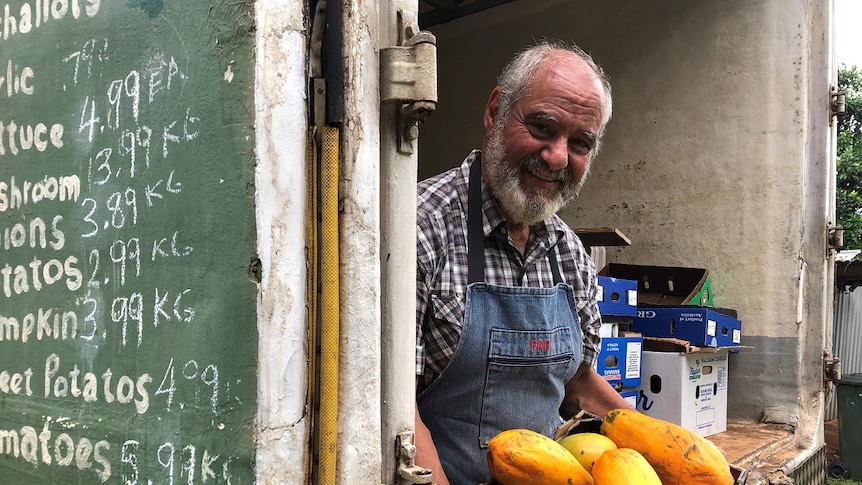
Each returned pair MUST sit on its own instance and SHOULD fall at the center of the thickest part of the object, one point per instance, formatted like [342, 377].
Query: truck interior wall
[709, 160]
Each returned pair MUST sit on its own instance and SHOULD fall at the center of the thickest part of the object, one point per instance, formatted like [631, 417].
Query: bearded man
[507, 329]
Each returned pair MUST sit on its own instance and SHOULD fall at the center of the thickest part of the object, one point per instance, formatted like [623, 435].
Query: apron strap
[476, 236]
[555, 267]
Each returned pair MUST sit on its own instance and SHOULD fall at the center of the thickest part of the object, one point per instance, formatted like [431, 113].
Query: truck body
[207, 234]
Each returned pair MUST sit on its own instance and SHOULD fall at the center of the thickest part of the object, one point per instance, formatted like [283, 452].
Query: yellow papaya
[679, 456]
[524, 457]
[587, 447]
[624, 466]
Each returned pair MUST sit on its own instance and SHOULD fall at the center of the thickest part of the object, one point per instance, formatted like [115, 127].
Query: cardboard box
[686, 387]
[630, 396]
[617, 297]
[619, 361]
[701, 326]
[665, 285]
[623, 324]
[608, 330]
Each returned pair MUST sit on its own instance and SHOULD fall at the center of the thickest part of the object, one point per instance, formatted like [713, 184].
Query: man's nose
[556, 154]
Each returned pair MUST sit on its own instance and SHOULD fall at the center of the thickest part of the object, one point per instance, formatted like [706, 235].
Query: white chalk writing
[99, 264]
[18, 194]
[36, 13]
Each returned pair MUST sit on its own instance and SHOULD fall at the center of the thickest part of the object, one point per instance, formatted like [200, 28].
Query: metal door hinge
[834, 237]
[831, 368]
[408, 472]
[837, 106]
[408, 78]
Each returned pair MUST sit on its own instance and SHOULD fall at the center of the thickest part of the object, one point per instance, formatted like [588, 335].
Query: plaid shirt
[441, 276]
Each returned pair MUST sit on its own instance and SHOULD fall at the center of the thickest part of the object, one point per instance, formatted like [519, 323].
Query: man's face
[536, 158]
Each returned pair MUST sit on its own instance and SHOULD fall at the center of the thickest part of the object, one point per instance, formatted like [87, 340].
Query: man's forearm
[426, 452]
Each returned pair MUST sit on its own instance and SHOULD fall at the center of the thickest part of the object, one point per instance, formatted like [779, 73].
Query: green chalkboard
[128, 342]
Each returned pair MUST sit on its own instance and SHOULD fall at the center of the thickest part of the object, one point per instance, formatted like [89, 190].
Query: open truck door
[720, 155]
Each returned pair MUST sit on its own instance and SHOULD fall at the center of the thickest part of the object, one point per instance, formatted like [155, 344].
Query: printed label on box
[694, 372]
[633, 360]
[710, 328]
[619, 361]
[705, 417]
[736, 336]
[704, 392]
[633, 297]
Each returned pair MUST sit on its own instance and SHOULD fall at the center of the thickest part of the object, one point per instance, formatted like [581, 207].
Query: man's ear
[492, 110]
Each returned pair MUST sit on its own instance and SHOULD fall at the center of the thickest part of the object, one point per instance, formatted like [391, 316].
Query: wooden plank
[745, 442]
[602, 236]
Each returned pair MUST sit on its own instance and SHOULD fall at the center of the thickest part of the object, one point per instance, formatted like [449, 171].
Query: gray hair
[517, 73]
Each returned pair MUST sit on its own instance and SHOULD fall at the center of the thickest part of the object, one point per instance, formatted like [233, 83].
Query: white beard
[525, 205]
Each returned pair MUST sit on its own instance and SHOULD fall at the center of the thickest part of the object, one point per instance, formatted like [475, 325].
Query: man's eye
[539, 128]
[581, 146]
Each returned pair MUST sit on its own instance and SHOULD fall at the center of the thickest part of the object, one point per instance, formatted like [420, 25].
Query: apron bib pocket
[526, 370]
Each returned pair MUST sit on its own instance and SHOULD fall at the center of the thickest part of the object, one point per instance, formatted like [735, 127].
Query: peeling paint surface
[281, 181]
[358, 459]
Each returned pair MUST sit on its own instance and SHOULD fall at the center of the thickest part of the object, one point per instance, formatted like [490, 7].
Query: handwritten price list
[127, 310]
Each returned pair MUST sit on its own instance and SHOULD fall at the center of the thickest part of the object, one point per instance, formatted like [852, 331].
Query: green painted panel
[128, 343]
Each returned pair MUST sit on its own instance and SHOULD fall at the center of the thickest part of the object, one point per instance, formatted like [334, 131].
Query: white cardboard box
[630, 396]
[687, 388]
[608, 330]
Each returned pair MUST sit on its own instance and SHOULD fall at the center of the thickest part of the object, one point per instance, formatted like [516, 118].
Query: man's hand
[588, 391]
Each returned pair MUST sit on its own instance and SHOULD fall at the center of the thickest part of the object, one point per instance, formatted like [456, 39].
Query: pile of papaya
[630, 448]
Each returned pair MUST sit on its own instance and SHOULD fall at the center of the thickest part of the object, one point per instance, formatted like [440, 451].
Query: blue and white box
[617, 297]
[619, 361]
[688, 389]
[700, 326]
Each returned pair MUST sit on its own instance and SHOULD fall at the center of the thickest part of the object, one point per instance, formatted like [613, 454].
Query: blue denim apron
[518, 348]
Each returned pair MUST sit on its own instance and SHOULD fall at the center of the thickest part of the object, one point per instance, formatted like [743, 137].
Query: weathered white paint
[398, 248]
[280, 106]
[819, 162]
[718, 156]
[358, 458]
